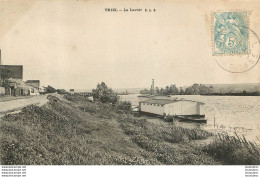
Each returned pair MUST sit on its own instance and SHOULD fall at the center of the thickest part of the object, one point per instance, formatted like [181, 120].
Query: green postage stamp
[230, 33]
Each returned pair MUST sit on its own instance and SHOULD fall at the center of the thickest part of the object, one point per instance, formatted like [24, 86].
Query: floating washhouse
[167, 106]
[159, 105]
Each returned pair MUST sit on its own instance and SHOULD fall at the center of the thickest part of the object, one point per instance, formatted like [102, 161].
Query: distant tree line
[243, 93]
[197, 89]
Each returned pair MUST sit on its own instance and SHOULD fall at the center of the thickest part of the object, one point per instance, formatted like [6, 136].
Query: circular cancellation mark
[239, 63]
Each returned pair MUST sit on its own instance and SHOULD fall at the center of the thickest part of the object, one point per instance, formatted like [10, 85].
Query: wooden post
[214, 118]
[214, 121]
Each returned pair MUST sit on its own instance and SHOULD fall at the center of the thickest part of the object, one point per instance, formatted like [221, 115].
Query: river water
[240, 114]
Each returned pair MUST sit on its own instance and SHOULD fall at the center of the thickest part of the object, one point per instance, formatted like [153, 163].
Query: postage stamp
[230, 33]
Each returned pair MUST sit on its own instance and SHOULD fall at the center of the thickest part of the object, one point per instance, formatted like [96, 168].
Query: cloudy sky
[76, 44]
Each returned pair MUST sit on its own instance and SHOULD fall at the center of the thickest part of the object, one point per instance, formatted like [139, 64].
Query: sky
[76, 44]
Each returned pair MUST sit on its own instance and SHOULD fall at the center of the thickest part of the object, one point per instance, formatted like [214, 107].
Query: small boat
[168, 119]
[197, 119]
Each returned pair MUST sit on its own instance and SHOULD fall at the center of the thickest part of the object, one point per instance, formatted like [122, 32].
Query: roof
[33, 83]
[166, 101]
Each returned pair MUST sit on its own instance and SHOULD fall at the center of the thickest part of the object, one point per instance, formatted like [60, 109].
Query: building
[10, 71]
[34, 86]
[11, 77]
[2, 91]
[164, 107]
[11, 81]
[33, 83]
[81, 92]
[16, 87]
[72, 91]
[85, 94]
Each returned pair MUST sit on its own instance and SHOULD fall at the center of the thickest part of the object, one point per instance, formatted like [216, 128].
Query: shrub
[234, 150]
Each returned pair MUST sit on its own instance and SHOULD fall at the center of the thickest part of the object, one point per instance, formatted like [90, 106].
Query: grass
[168, 133]
[169, 144]
[234, 150]
[74, 131]
[59, 133]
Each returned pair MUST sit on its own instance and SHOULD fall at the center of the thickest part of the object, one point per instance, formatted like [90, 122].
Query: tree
[49, 89]
[181, 91]
[104, 94]
[169, 90]
[193, 90]
[199, 89]
[174, 90]
[61, 91]
[145, 91]
[157, 91]
[161, 91]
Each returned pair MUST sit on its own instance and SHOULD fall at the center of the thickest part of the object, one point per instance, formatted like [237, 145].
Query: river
[240, 114]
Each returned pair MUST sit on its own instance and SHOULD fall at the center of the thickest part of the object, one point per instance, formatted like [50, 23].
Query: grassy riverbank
[73, 131]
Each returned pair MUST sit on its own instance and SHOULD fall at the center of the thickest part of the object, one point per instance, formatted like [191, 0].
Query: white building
[34, 90]
[171, 107]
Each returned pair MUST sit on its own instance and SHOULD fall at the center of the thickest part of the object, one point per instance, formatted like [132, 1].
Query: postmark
[242, 63]
[236, 47]
[230, 32]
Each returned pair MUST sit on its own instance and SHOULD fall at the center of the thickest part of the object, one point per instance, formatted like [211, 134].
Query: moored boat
[197, 119]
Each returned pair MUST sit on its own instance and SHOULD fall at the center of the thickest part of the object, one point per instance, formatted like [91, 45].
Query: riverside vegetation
[70, 130]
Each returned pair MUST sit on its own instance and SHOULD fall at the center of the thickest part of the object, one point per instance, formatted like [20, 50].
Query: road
[15, 105]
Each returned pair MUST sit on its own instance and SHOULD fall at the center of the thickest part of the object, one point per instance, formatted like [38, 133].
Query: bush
[234, 150]
[168, 133]
[104, 94]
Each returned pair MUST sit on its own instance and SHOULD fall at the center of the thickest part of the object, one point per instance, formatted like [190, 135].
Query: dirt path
[9, 98]
[15, 105]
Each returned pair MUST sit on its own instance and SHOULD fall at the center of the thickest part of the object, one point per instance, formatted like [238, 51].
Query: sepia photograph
[160, 82]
